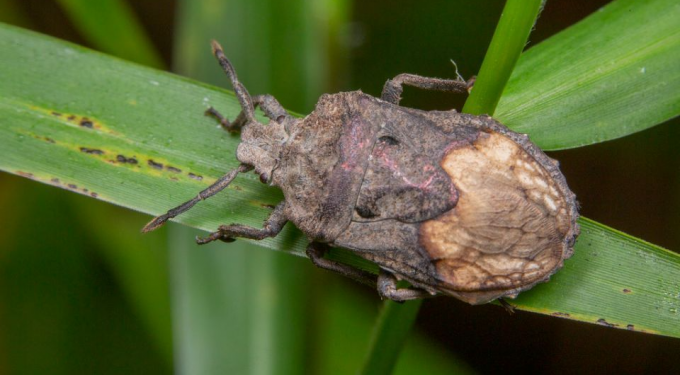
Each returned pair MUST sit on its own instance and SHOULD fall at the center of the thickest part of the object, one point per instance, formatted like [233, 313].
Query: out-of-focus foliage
[49, 313]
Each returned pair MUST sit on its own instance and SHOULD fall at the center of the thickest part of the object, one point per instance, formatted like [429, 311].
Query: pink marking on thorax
[353, 145]
[394, 167]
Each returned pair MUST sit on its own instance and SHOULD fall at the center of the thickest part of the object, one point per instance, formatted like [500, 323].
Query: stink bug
[455, 204]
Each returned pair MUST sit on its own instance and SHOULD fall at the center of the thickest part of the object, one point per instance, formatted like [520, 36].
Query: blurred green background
[81, 291]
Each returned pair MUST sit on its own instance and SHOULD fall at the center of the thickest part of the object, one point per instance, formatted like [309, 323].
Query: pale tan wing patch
[508, 229]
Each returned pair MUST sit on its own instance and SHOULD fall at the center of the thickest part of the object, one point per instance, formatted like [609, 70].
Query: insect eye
[388, 140]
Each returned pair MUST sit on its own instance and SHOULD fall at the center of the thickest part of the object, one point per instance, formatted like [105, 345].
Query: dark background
[631, 184]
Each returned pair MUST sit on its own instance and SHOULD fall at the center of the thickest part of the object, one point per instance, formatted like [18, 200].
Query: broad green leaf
[614, 280]
[111, 26]
[155, 143]
[615, 73]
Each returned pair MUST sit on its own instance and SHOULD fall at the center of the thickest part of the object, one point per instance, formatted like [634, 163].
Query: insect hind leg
[315, 252]
[387, 288]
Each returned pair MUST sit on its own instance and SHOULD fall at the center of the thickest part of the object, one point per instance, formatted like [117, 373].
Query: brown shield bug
[455, 204]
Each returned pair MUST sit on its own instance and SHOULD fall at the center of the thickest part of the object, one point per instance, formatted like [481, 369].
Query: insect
[455, 204]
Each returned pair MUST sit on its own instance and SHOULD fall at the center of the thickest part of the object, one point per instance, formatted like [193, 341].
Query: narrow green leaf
[156, 118]
[615, 73]
[506, 46]
[344, 311]
[268, 317]
[139, 266]
[112, 27]
[395, 320]
[613, 280]
[390, 332]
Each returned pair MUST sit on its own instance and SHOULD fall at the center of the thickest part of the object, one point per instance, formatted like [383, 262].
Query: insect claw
[203, 240]
[215, 46]
[155, 223]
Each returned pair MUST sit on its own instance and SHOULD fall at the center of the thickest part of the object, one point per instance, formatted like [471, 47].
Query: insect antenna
[240, 90]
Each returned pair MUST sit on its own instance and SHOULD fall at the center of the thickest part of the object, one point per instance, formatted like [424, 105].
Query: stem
[393, 326]
[508, 41]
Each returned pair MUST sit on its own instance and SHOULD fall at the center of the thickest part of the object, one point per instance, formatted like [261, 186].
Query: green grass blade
[392, 329]
[273, 314]
[156, 118]
[345, 311]
[614, 280]
[509, 39]
[506, 46]
[112, 27]
[137, 265]
[615, 73]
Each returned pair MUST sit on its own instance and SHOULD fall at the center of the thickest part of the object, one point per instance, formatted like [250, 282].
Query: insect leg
[270, 106]
[213, 189]
[228, 233]
[230, 126]
[387, 288]
[394, 87]
[316, 251]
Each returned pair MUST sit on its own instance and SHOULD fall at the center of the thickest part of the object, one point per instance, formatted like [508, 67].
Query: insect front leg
[270, 106]
[387, 288]
[394, 87]
[228, 233]
[211, 190]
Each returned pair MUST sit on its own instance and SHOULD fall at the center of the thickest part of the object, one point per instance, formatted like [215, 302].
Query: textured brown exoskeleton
[453, 203]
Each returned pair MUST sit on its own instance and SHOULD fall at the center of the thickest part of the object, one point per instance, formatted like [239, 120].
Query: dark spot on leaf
[93, 194]
[630, 327]
[86, 123]
[605, 323]
[25, 174]
[55, 180]
[56, 114]
[73, 186]
[71, 117]
[195, 176]
[49, 140]
[173, 169]
[627, 291]
[92, 151]
[560, 314]
[237, 188]
[153, 164]
[123, 159]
